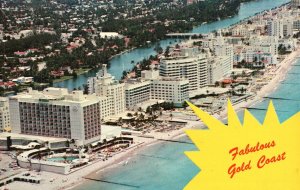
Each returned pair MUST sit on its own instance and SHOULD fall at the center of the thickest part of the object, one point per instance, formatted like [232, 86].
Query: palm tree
[243, 74]
[120, 119]
[185, 105]
[217, 84]
[232, 74]
[255, 59]
[232, 89]
[141, 117]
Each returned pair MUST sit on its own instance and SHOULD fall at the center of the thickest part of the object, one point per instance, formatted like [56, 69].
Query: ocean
[164, 166]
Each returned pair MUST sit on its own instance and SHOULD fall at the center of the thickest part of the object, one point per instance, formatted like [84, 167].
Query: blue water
[161, 166]
[124, 61]
[164, 166]
[246, 10]
[61, 159]
[118, 64]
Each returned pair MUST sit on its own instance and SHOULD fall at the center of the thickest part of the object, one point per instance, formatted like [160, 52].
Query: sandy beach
[51, 181]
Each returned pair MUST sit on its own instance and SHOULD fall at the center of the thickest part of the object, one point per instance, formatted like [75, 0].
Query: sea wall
[25, 161]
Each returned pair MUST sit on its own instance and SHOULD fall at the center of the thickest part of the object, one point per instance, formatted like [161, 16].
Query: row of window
[92, 121]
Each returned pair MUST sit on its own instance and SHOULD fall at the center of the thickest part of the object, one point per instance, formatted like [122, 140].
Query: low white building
[256, 55]
[267, 44]
[23, 80]
[290, 44]
[242, 30]
[109, 132]
[110, 35]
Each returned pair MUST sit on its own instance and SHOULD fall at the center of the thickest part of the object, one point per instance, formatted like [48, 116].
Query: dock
[23, 177]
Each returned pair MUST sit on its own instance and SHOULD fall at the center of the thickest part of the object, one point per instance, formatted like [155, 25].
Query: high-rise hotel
[55, 112]
[110, 91]
[189, 63]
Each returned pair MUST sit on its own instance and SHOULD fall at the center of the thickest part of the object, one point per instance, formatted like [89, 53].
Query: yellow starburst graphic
[248, 156]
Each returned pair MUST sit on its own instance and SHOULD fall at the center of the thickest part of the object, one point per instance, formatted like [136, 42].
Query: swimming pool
[62, 159]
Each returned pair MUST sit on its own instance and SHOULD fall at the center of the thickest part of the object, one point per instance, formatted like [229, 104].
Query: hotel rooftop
[54, 94]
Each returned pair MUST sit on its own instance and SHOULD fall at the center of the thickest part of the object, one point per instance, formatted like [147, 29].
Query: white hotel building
[219, 67]
[184, 71]
[280, 27]
[267, 44]
[110, 91]
[170, 89]
[137, 91]
[55, 112]
[115, 97]
[151, 86]
[189, 65]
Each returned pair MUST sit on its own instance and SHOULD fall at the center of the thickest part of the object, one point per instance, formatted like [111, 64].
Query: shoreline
[269, 88]
[190, 31]
[55, 81]
[76, 178]
[122, 52]
[69, 77]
